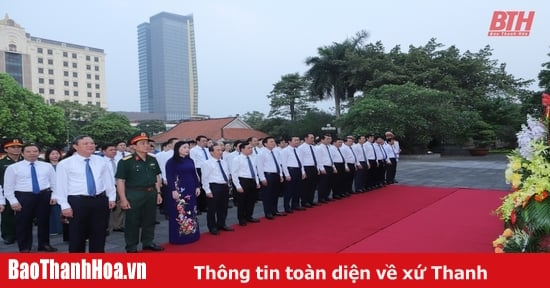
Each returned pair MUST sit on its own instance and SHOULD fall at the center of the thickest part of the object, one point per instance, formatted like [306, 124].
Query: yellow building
[54, 69]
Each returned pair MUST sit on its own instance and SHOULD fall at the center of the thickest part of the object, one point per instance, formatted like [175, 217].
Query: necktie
[276, 164]
[353, 152]
[330, 156]
[393, 150]
[114, 165]
[340, 152]
[252, 173]
[374, 149]
[383, 152]
[313, 154]
[90, 179]
[297, 159]
[34, 178]
[205, 154]
[364, 154]
[255, 151]
[223, 172]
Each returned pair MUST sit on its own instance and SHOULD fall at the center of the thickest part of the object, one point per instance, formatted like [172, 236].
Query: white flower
[533, 131]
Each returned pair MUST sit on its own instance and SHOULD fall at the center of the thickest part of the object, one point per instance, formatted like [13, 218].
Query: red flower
[545, 99]
[513, 217]
[540, 197]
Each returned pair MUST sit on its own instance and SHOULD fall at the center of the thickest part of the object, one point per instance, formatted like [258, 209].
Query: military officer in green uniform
[12, 148]
[138, 186]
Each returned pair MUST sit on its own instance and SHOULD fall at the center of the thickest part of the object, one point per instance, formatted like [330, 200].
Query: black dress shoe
[153, 247]
[118, 230]
[47, 248]
[280, 214]
[157, 222]
[289, 211]
[214, 232]
[131, 251]
[242, 223]
[253, 220]
[226, 228]
[269, 216]
[299, 208]
[25, 251]
[9, 241]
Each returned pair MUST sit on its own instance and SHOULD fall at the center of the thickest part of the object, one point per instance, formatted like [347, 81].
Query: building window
[87, 57]
[97, 95]
[96, 77]
[89, 85]
[75, 93]
[66, 73]
[52, 91]
[50, 71]
[65, 54]
[52, 101]
[50, 81]
[74, 55]
[88, 76]
[40, 70]
[75, 74]
[75, 101]
[50, 61]
[88, 67]
[40, 60]
[96, 59]
[98, 104]
[90, 102]
[65, 64]
[66, 83]
[41, 80]
[96, 86]
[39, 50]
[12, 48]
[74, 65]
[41, 90]
[90, 94]
[96, 68]
[67, 93]
[75, 84]
[50, 52]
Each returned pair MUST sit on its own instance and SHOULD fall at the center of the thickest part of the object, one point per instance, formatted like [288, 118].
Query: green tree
[26, 115]
[289, 98]
[109, 128]
[254, 119]
[78, 116]
[330, 74]
[544, 76]
[152, 126]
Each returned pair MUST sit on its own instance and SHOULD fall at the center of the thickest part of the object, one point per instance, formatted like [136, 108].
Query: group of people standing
[121, 192]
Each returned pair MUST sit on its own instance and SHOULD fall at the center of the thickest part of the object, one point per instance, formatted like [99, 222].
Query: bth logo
[511, 23]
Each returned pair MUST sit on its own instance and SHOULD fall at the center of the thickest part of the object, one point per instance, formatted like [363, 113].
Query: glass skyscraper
[168, 82]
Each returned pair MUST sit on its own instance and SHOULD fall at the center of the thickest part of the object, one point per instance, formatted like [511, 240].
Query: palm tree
[330, 74]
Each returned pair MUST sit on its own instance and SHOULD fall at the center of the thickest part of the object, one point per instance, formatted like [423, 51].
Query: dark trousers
[270, 193]
[217, 206]
[33, 206]
[293, 189]
[201, 199]
[141, 217]
[247, 199]
[391, 170]
[339, 179]
[381, 173]
[371, 174]
[88, 222]
[7, 223]
[325, 184]
[349, 176]
[310, 184]
[360, 181]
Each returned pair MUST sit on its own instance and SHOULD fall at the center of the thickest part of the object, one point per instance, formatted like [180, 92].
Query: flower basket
[526, 210]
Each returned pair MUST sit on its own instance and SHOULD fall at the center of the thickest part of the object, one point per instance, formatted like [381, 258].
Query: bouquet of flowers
[526, 210]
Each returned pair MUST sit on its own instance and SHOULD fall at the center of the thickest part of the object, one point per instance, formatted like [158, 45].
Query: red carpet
[392, 219]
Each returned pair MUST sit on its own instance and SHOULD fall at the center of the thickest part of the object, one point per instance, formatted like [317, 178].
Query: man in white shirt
[85, 198]
[199, 154]
[28, 186]
[245, 178]
[116, 219]
[162, 157]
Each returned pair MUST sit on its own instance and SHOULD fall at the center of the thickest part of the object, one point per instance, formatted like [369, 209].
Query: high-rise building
[54, 69]
[168, 81]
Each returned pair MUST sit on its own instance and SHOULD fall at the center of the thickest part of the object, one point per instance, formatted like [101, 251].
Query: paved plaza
[484, 172]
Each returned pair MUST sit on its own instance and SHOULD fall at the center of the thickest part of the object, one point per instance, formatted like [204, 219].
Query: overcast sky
[245, 46]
